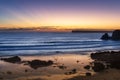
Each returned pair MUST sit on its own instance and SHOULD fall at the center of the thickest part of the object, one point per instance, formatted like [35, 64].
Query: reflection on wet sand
[106, 64]
[52, 67]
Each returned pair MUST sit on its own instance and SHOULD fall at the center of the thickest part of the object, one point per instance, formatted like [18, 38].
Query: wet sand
[110, 74]
[65, 66]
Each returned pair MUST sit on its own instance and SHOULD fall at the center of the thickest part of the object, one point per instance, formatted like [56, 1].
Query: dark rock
[39, 63]
[111, 59]
[62, 67]
[116, 35]
[107, 56]
[88, 74]
[1, 78]
[87, 67]
[77, 61]
[115, 64]
[105, 37]
[9, 72]
[26, 70]
[98, 67]
[14, 59]
[74, 71]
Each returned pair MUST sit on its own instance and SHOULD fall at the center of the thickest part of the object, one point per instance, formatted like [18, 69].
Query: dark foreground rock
[111, 58]
[39, 63]
[98, 67]
[87, 67]
[88, 74]
[15, 59]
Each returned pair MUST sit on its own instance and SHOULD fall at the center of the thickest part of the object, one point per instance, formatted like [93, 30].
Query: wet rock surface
[14, 59]
[111, 58]
[87, 67]
[39, 63]
[104, 60]
[98, 66]
[33, 64]
[88, 74]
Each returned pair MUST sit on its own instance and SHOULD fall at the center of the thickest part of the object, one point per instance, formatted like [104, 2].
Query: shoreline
[57, 52]
[65, 65]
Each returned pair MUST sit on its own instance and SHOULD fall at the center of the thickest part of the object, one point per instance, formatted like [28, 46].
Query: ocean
[30, 43]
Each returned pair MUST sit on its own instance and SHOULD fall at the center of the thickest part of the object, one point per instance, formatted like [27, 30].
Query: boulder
[39, 63]
[88, 74]
[105, 37]
[15, 59]
[116, 35]
[87, 67]
[98, 67]
[110, 58]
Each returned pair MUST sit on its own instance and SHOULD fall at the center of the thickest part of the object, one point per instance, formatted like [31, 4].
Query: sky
[60, 14]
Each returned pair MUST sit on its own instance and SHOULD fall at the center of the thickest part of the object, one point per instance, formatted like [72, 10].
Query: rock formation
[115, 36]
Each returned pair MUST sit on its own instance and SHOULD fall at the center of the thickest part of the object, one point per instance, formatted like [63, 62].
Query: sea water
[30, 43]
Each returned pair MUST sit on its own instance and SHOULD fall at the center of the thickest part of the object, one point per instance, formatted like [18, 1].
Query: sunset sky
[60, 14]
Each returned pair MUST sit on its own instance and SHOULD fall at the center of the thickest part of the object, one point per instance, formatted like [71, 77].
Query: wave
[64, 42]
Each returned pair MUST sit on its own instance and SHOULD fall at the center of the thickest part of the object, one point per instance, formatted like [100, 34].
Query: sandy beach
[64, 67]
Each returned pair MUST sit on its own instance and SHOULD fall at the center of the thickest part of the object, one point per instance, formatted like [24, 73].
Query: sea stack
[115, 36]
[105, 37]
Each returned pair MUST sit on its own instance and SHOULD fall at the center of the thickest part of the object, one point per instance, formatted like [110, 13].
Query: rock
[77, 61]
[26, 70]
[111, 58]
[106, 56]
[1, 78]
[39, 63]
[62, 67]
[9, 72]
[115, 64]
[74, 71]
[105, 37]
[15, 59]
[87, 67]
[88, 74]
[116, 35]
[98, 67]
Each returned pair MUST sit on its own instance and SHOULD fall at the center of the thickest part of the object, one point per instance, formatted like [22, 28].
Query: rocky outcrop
[105, 37]
[98, 67]
[115, 36]
[14, 59]
[39, 63]
[112, 59]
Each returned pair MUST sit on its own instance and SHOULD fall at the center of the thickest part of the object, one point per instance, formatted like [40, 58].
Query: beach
[64, 67]
[63, 64]
[61, 56]
[59, 39]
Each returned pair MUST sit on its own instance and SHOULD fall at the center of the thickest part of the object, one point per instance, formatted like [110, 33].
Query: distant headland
[54, 30]
[91, 31]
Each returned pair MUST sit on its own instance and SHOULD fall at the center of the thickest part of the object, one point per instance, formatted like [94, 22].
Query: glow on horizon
[61, 18]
